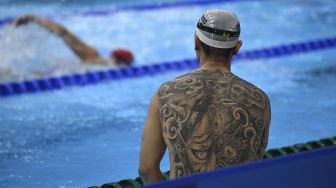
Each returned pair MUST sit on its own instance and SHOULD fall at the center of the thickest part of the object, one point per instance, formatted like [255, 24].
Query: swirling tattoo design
[211, 119]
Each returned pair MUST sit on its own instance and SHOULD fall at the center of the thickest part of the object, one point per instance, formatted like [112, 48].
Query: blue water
[82, 136]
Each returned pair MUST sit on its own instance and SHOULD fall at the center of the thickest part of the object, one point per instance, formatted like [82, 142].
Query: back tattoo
[211, 119]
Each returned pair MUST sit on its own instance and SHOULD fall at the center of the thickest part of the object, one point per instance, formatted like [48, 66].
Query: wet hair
[218, 52]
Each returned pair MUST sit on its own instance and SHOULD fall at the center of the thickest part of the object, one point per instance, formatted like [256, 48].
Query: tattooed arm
[152, 146]
[85, 52]
[264, 136]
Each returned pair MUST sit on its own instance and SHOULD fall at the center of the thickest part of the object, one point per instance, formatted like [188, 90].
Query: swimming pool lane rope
[94, 77]
[143, 7]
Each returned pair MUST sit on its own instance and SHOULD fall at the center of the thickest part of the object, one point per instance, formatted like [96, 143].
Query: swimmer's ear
[237, 47]
[197, 43]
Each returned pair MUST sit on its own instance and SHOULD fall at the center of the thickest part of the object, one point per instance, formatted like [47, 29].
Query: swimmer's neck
[213, 63]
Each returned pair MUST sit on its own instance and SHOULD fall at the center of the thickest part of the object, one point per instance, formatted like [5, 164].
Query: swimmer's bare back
[210, 119]
[86, 53]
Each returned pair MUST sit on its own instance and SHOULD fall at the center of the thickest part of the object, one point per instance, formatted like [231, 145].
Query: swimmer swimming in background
[86, 53]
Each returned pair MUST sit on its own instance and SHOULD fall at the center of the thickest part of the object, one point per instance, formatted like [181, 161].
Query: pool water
[83, 136]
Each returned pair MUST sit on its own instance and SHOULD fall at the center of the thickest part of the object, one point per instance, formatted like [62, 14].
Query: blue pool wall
[309, 169]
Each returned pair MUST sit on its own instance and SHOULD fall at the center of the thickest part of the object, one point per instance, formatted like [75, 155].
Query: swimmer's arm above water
[153, 146]
[83, 51]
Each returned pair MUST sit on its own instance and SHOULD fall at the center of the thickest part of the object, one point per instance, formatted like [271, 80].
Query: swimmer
[208, 118]
[87, 54]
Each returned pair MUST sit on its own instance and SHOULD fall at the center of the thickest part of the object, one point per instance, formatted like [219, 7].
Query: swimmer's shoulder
[96, 61]
[182, 77]
[165, 89]
[255, 93]
[251, 86]
[197, 74]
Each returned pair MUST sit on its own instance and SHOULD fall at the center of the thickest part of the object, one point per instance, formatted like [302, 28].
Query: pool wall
[302, 165]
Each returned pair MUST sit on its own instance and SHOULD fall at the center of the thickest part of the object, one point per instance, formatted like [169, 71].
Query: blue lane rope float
[143, 7]
[6, 20]
[88, 78]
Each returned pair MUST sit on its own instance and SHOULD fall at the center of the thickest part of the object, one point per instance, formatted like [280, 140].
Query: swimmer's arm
[82, 50]
[265, 133]
[153, 146]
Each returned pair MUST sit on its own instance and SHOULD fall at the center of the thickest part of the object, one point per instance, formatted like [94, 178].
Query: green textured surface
[272, 153]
